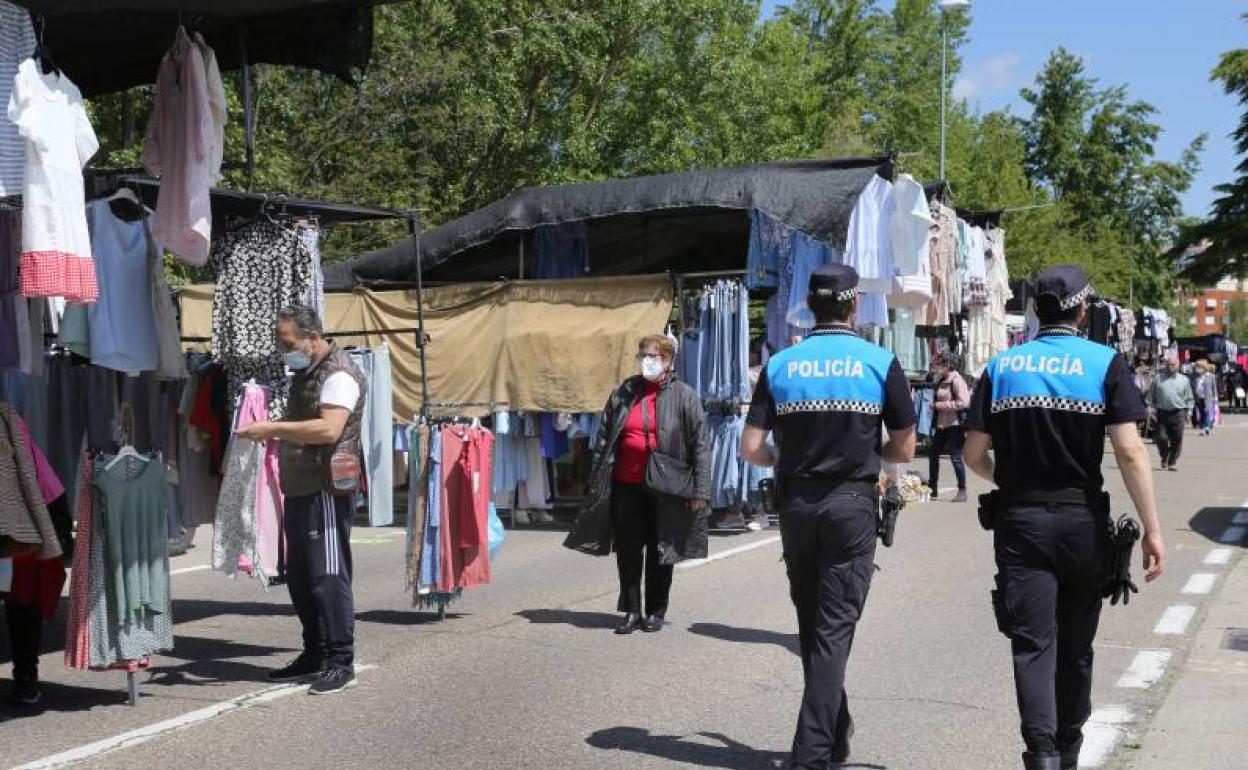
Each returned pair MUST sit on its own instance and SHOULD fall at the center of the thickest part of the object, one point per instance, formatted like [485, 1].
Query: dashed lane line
[150, 732]
[1175, 619]
[1106, 726]
[725, 554]
[1148, 667]
[1200, 583]
[1219, 556]
[196, 568]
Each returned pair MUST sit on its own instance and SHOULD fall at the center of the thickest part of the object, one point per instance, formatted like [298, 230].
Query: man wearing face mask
[651, 414]
[320, 472]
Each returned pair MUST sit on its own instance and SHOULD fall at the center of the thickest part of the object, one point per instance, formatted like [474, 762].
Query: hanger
[126, 452]
[42, 55]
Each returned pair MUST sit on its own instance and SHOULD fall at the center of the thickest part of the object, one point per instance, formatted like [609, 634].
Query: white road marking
[1219, 556]
[151, 732]
[1175, 619]
[1106, 726]
[196, 568]
[725, 554]
[1233, 535]
[1148, 667]
[1200, 583]
[1240, 518]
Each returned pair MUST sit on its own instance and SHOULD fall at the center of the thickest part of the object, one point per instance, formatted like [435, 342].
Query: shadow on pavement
[64, 698]
[212, 661]
[1212, 523]
[746, 635]
[588, 620]
[731, 755]
[412, 617]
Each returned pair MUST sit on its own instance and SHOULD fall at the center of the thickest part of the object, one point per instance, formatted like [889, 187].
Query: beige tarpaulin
[548, 346]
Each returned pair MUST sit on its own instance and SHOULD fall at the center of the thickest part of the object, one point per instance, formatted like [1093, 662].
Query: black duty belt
[1061, 496]
[830, 486]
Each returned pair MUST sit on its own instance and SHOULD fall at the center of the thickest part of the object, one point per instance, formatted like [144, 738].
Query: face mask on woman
[652, 368]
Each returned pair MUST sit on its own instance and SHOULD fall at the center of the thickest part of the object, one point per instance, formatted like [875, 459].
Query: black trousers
[318, 574]
[25, 630]
[829, 550]
[1051, 565]
[635, 516]
[1170, 426]
[946, 441]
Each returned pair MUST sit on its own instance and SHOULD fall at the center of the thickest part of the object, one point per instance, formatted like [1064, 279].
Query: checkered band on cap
[829, 405]
[1074, 299]
[1047, 402]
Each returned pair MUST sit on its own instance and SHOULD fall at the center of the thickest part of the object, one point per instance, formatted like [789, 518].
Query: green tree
[1224, 236]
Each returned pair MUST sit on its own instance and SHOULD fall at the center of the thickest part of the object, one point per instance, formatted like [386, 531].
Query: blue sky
[1163, 50]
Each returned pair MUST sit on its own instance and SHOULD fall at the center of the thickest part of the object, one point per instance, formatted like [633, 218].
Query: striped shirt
[17, 43]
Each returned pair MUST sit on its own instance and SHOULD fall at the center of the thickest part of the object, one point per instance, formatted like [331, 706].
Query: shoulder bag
[665, 475]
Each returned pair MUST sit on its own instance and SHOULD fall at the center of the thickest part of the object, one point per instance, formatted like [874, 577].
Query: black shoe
[25, 692]
[1049, 760]
[631, 622]
[652, 624]
[332, 680]
[304, 668]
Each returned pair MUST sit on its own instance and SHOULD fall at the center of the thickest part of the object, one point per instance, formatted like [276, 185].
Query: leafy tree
[1225, 234]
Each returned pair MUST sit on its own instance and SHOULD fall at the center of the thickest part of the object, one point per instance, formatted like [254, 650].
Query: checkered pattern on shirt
[1047, 402]
[58, 274]
[828, 405]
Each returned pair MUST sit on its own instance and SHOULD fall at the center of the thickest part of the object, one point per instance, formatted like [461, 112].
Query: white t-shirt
[341, 390]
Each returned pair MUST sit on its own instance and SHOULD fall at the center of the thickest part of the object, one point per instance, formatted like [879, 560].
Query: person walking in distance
[1171, 397]
[1043, 409]
[952, 399]
[320, 468]
[828, 400]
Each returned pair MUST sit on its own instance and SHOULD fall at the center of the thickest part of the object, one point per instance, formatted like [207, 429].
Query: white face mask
[652, 368]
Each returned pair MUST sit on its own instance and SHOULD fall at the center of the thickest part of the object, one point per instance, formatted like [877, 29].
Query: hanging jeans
[377, 433]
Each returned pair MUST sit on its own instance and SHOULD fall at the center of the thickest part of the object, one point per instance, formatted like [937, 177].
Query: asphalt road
[525, 673]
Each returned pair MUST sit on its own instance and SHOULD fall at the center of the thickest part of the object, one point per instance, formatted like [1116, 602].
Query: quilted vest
[305, 467]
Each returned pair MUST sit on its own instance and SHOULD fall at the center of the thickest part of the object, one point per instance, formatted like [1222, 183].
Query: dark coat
[682, 435]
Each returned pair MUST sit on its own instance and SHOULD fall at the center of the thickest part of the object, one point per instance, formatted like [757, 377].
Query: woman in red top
[648, 413]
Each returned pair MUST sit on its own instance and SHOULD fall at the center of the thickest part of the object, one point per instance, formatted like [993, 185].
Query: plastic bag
[497, 532]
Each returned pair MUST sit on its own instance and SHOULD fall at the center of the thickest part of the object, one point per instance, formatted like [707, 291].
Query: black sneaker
[333, 680]
[305, 667]
[25, 692]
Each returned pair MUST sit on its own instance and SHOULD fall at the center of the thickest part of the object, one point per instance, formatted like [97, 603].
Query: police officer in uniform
[1044, 408]
[827, 400]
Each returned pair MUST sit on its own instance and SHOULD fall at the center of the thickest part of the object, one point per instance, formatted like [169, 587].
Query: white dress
[868, 249]
[56, 249]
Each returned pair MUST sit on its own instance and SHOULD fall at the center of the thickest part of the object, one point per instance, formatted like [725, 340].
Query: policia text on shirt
[1044, 408]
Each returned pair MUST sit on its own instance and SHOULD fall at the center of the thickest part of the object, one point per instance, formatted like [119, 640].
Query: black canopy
[110, 45]
[693, 221]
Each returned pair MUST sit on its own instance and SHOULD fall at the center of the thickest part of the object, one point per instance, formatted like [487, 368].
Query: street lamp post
[946, 7]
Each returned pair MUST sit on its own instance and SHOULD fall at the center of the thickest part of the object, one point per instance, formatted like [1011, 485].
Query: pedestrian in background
[1207, 397]
[948, 435]
[828, 400]
[652, 416]
[1172, 398]
[1044, 408]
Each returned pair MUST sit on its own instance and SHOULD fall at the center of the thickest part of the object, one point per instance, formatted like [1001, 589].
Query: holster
[989, 505]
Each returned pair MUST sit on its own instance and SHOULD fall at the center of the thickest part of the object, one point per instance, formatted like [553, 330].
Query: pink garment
[466, 484]
[179, 149]
[49, 484]
[952, 395]
[270, 503]
[78, 621]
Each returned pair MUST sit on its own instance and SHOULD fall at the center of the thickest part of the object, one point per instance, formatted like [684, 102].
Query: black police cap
[840, 281]
[1062, 286]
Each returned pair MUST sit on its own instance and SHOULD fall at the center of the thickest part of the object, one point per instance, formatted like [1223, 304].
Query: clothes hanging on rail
[17, 43]
[377, 432]
[248, 533]
[56, 248]
[562, 250]
[25, 524]
[122, 322]
[713, 355]
[13, 305]
[868, 249]
[310, 235]
[179, 148]
[261, 267]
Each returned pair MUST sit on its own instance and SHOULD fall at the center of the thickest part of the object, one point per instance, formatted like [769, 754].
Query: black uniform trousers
[829, 550]
[1051, 562]
[1170, 426]
[318, 574]
[635, 519]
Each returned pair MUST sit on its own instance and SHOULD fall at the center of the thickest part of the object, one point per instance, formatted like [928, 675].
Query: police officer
[825, 399]
[1044, 408]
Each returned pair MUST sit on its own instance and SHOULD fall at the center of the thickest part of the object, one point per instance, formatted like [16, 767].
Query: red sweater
[636, 445]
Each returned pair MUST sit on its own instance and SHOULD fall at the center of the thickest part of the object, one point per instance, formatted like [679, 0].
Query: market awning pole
[413, 224]
[249, 124]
